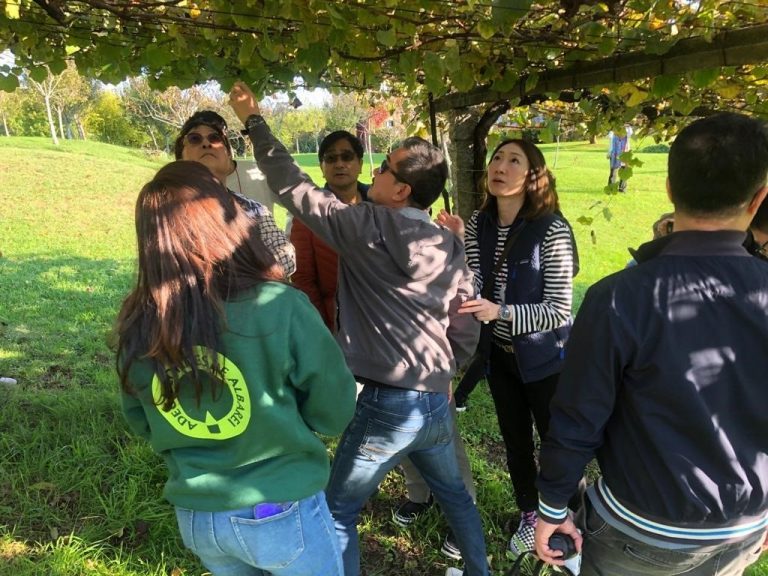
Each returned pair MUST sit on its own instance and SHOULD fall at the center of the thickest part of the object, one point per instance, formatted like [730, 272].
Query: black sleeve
[584, 400]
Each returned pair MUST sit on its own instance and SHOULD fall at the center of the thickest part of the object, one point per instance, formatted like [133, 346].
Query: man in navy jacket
[665, 382]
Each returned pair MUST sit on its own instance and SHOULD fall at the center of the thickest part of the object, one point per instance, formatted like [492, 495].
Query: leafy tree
[10, 105]
[107, 121]
[162, 112]
[46, 84]
[70, 100]
[344, 111]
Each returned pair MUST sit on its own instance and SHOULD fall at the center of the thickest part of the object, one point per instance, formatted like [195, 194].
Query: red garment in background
[317, 271]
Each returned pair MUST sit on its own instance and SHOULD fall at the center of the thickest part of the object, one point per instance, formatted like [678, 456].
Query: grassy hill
[78, 494]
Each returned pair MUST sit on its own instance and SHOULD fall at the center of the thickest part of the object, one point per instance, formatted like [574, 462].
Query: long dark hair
[540, 191]
[196, 249]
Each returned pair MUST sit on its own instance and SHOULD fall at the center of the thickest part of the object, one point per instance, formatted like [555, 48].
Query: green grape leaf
[665, 85]
[8, 82]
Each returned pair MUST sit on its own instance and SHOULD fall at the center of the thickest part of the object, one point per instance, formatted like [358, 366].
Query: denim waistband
[368, 382]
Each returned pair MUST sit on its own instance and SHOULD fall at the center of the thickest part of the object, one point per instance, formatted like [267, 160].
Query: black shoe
[410, 511]
[461, 404]
[450, 548]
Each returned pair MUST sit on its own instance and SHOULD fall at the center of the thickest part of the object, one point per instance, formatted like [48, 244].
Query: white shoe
[454, 572]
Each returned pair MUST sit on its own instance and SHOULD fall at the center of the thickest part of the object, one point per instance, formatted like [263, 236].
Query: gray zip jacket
[401, 279]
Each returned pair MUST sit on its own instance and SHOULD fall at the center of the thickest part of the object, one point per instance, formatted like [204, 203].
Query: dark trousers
[518, 404]
[472, 375]
[609, 552]
[614, 177]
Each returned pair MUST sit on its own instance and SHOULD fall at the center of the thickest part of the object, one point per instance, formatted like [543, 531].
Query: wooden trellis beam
[731, 48]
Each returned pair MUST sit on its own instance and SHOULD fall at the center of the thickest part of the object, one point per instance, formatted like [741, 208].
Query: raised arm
[341, 226]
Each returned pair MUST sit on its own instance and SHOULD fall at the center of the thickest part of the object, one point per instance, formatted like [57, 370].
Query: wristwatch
[252, 122]
[505, 313]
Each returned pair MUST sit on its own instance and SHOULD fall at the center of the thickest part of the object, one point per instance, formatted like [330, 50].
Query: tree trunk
[80, 128]
[5, 125]
[480, 149]
[154, 140]
[462, 124]
[61, 122]
[51, 125]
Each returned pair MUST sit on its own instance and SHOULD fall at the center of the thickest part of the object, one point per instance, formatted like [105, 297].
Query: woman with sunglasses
[203, 138]
[341, 162]
[229, 373]
[526, 305]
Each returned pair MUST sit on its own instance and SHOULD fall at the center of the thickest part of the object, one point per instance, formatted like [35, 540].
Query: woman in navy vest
[526, 305]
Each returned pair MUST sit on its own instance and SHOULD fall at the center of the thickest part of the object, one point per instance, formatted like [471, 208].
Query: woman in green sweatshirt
[229, 375]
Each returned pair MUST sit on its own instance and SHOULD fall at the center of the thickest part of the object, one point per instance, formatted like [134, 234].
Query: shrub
[656, 149]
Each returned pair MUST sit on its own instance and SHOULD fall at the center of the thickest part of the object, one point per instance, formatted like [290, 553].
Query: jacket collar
[693, 243]
[416, 214]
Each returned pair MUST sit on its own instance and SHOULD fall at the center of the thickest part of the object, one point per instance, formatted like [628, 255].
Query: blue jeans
[390, 424]
[609, 552]
[299, 541]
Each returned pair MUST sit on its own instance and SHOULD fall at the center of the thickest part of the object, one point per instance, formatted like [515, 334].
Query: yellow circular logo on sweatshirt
[228, 426]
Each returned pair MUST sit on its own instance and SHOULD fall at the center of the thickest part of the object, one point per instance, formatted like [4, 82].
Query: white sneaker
[454, 572]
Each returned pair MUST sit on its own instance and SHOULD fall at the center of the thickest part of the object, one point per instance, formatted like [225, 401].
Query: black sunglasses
[385, 167]
[196, 139]
[346, 156]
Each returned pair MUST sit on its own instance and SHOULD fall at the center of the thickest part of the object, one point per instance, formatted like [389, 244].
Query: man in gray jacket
[401, 280]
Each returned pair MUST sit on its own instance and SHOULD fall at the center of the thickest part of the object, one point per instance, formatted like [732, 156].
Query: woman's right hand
[453, 222]
[484, 310]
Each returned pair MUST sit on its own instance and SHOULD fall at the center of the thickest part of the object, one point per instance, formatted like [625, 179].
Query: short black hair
[717, 164]
[425, 170]
[334, 137]
[208, 118]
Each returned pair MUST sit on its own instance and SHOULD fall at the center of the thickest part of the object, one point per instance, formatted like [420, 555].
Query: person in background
[664, 225]
[474, 373]
[401, 279]
[341, 161]
[664, 382]
[617, 145]
[230, 374]
[203, 138]
[521, 251]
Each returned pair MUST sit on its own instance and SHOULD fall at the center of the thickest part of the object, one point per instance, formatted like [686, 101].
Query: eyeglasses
[346, 156]
[385, 167]
[196, 139]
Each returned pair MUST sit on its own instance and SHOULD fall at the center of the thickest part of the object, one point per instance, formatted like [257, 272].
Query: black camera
[564, 543]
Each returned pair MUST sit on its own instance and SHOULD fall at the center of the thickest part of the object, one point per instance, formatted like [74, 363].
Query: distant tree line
[70, 106]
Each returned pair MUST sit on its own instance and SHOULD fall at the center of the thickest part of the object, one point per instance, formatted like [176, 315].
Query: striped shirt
[554, 310]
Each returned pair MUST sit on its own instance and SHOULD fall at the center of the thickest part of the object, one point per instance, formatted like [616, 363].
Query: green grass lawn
[78, 495]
